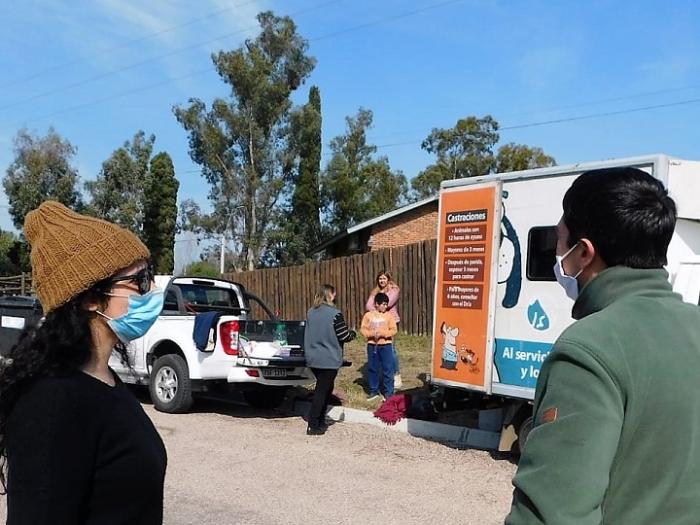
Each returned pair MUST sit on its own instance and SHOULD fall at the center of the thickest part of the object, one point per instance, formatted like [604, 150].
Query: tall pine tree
[306, 198]
[160, 213]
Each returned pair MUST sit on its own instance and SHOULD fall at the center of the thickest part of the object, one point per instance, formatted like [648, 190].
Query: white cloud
[166, 28]
[153, 18]
[171, 22]
[239, 16]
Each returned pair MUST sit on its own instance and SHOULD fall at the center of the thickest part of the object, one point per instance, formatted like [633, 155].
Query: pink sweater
[393, 294]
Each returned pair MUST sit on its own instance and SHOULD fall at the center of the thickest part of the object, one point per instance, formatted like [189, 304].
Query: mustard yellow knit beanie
[72, 252]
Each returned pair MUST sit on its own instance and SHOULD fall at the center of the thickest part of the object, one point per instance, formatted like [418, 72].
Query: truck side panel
[465, 280]
[531, 308]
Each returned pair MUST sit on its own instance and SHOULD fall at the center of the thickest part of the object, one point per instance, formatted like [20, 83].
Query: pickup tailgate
[271, 343]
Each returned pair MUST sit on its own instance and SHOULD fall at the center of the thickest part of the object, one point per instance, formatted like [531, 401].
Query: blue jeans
[380, 355]
[397, 370]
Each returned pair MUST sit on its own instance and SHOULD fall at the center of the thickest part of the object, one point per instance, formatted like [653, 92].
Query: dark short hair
[381, 298]
[626, 213]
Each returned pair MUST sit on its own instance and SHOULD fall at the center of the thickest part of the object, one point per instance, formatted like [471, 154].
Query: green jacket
[617, 411]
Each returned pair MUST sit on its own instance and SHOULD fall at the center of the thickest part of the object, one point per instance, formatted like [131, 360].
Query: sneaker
[315, 431]
[397, 381]
[373, 397]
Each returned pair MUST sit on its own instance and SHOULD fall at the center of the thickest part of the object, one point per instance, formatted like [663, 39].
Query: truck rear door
[465, 288]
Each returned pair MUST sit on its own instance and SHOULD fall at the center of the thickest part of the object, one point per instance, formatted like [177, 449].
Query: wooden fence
[290, 290]
[16, 285]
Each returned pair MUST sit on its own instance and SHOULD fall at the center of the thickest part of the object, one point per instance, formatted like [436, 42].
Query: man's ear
[589, 252]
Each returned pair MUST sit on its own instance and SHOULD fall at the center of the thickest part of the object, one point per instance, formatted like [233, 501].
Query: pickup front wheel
[170, 387]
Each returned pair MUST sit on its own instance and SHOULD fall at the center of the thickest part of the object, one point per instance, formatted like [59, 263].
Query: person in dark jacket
[325, 334]
[616, 419]
[75, 445]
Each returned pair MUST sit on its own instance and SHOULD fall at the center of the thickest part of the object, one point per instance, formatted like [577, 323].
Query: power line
[554, 121]
[150, 86]
[607, 100]
[149, 60]
[604, 114]
[596, 102]
[322, 37]
[386, 19]
[128, 43]
[567, 119]
[115, 96]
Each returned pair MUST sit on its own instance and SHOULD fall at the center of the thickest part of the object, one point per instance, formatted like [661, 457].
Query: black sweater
[83, 452]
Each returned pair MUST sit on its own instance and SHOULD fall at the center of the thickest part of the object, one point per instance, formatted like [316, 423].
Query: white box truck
[498, 307]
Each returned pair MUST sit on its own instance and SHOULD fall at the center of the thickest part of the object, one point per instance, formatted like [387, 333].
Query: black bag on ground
[422, 408]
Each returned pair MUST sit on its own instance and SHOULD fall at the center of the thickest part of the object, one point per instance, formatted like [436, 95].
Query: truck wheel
[524, 432]
[170, 387]
[268, 397]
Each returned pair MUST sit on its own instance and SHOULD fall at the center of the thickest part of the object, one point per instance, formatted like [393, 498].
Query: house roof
[371, 222]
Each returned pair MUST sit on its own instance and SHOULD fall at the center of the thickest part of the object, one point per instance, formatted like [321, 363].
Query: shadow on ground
[233, 405]
[227, 404]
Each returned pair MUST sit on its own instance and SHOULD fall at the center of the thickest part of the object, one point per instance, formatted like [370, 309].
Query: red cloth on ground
[393, 409]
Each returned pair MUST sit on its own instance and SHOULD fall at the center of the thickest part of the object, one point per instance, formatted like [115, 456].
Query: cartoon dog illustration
[449, 346]
[468, 357]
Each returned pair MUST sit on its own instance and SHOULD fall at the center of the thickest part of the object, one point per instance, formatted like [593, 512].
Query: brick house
[412, 223]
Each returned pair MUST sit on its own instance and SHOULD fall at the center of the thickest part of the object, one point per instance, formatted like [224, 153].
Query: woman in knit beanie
[73, 439]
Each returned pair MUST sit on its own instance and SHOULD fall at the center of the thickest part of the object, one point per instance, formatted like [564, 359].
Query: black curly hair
[59, 345]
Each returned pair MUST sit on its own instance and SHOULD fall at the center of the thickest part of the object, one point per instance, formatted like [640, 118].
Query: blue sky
[100, 70]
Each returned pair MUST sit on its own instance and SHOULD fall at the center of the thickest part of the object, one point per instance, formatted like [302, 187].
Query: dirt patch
[231, 464]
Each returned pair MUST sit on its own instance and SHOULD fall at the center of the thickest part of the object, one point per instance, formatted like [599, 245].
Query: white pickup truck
[260, 357]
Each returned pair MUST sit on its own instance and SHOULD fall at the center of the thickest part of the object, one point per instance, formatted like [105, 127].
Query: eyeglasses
[142, 279]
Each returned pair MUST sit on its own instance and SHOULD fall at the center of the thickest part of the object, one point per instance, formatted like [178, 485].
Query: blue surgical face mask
[568, 282]
[142, 313]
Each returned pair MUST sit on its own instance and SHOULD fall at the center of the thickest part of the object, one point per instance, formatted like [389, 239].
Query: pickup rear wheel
[524, 432]
[170, 387]
[266, 397]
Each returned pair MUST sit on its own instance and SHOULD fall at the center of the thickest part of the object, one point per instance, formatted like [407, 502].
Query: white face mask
[569, 283]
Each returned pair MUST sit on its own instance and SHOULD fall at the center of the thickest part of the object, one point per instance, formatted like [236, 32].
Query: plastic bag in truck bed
[262, 349]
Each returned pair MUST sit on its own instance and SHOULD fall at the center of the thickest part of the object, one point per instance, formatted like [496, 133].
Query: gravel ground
[229, 464]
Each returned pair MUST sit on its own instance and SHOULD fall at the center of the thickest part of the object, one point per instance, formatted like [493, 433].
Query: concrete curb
[460, 437]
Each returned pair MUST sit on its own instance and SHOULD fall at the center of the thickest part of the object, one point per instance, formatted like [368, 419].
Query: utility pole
[223, 252]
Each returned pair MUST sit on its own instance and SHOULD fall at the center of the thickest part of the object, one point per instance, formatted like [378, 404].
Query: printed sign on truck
[463, 293]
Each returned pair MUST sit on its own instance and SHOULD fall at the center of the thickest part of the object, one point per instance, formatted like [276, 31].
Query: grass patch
[414, 360]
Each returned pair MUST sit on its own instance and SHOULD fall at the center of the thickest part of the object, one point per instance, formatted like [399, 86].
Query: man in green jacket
[616, 435]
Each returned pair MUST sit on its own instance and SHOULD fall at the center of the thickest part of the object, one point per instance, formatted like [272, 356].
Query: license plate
[274, 372]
